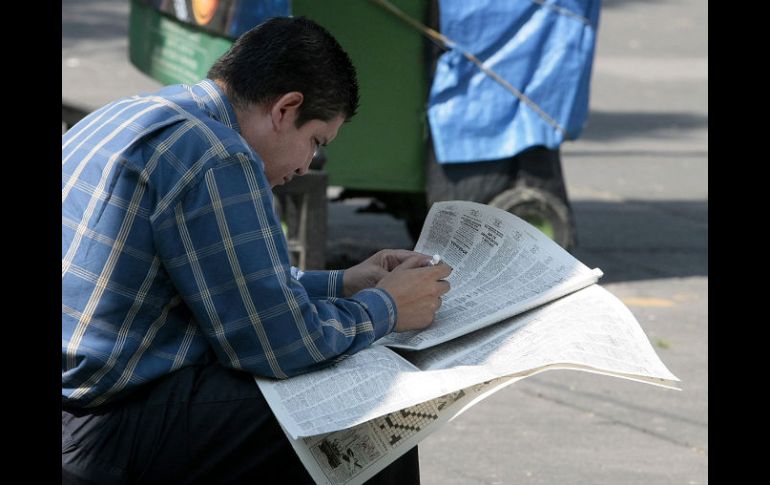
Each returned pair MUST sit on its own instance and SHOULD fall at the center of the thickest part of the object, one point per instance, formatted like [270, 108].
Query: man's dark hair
[286, 54]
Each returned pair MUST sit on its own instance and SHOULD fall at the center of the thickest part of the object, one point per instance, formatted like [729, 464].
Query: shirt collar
[214, 101]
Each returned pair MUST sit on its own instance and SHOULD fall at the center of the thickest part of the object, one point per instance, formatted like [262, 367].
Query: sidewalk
[94, 60]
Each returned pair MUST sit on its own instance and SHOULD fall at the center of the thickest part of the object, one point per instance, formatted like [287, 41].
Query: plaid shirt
[171, 246]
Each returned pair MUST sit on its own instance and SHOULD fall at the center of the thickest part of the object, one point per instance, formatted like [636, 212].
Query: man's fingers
[401, 254]
[441, 270]
[417, 288]
[416, 261]
[391, 258]
[444, 287]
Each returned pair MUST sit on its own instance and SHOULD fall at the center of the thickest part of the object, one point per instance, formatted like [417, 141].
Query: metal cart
[386, 152]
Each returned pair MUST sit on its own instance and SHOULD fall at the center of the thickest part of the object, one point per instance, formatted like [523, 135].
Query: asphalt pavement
[638, 182]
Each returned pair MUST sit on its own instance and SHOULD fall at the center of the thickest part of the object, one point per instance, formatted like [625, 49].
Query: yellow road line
[648, 302]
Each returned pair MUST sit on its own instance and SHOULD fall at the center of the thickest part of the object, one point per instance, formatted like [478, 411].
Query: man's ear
[285, 111]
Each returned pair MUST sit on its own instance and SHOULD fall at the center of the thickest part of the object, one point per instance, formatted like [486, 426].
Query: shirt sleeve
[225, 253]
[322, 284]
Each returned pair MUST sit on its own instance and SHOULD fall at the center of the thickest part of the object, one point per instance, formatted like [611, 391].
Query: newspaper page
[369, 384]
[502, 266]
[354, 455]
[365, 385]
[589, 330]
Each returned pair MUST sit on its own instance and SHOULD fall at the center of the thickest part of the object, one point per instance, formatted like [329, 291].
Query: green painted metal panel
[169, 50]
[383, 146]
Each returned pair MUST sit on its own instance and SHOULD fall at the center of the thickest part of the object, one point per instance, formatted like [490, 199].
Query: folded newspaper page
[589, 330]
[351, 420]
[354, 455]
[519, 305]
[502, 266]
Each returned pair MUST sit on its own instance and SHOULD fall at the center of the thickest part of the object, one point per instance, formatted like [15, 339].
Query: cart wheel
[542, 209]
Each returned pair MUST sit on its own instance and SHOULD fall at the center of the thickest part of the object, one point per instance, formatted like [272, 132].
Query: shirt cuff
[322, 284]
[381, 308]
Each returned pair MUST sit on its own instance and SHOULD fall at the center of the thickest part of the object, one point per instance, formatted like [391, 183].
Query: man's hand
[369, 272]
[416, 288]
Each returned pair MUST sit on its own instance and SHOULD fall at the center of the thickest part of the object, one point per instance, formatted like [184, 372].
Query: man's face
[294, 149]
[286, 150]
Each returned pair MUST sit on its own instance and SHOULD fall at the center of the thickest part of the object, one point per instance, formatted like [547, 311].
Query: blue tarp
[543, 49]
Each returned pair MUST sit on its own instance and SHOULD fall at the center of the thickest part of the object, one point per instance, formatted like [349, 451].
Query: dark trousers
[201, 424]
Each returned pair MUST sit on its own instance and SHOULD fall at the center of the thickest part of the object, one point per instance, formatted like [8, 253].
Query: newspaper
[501, 266]
[354, 455]
[352, 419]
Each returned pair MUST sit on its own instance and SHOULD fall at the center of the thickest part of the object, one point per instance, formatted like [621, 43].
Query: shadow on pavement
[642, 239]
[93, 21]
[609, 125]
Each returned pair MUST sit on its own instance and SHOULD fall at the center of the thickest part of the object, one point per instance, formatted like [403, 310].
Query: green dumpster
[383, 147]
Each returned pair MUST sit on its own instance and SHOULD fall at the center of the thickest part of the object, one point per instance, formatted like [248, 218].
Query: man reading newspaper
[176, 284]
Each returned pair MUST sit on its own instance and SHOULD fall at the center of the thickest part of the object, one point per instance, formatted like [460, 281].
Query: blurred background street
[638, 182]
